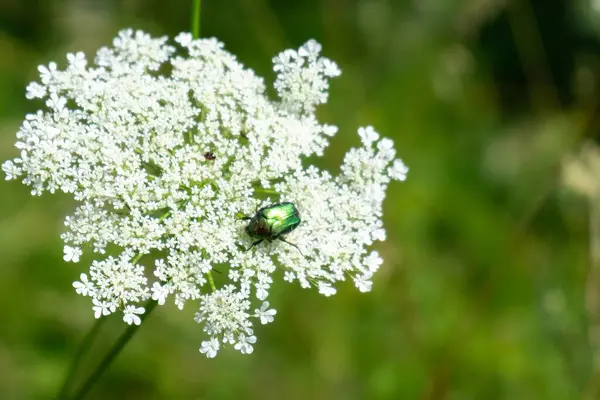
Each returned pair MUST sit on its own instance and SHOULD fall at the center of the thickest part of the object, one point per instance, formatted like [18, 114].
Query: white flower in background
[165, 147]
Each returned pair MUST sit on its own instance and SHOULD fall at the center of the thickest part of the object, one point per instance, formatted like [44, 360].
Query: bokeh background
[490, 287]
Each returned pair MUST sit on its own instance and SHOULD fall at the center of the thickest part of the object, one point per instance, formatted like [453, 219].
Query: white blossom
[244, 343]
[398, 170]
[368, 135]
[289, 276]
[11, 170]
[265, 314]
[159, 293]
[72, 254]
[101, 308]
[131, 315]
[85, 287]
[210, 347]
[77, 60]
[35, 91]
[373, 261]
[364, 283]
[165, 146]
[326, 289]
[262, 290]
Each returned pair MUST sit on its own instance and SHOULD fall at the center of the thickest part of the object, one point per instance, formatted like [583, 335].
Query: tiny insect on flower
[209, 156]
[273, 222]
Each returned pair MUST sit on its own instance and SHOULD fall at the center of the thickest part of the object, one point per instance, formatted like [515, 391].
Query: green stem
[112, 354]
[211, 281]
[266, 191]
[83, 348]
[197, 6]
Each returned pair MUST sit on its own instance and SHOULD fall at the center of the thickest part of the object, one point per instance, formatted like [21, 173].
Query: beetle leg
[254, 244]
[291, 244]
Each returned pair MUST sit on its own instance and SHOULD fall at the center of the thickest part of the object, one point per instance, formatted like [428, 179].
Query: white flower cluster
[165, 148]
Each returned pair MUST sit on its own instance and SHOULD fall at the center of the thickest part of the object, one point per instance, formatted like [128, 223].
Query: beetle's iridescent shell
[273, 221]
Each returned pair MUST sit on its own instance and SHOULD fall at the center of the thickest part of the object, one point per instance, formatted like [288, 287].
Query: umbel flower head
[164, 147]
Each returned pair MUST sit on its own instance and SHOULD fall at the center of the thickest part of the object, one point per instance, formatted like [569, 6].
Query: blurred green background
[489, 288]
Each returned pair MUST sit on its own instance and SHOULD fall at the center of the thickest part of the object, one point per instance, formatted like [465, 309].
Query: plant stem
[83, 348]
[266, 191]
[197, 6]
[211, 281]
[112, 354]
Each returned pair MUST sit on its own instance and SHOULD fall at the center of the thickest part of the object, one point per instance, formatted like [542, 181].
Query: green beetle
[273, 222]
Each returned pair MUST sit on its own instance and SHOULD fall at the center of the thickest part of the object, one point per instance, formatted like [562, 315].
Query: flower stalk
[196, 13]
[85, 345]
[112, 354]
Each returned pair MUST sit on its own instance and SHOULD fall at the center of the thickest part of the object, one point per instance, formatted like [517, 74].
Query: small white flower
[77, 60]
[210, 348]
[364, 283]
[266, 316]
[379, 234]
[72, 254]
[159, 293]
[102, 308]
[368, 135]
[244, 344]
[326, 289]
[56, 103]
[69, 187]
[184, 39]
[131, 315]
[47, 73]
[289, 276]
[35, 91]
[11, 170]
[398, 170]
[84, 287]
[310, 49]
[373, 261]
[386, 149]
[262, 290]
[331, 69]
[330, 130]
